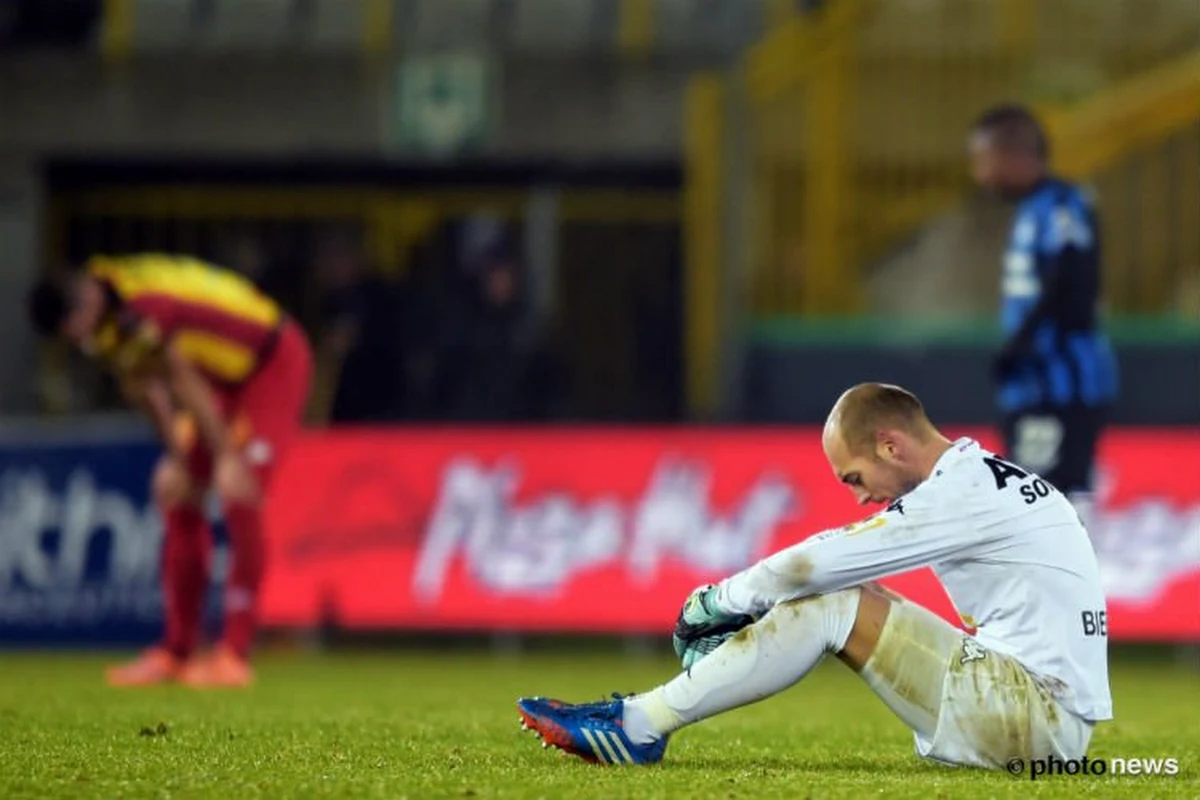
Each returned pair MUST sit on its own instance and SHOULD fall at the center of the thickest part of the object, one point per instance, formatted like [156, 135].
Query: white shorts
[993, 710]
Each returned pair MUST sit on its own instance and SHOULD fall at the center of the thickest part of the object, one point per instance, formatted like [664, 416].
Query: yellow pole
[117, 37]
[378, 20]
[830, 280]
[823, 189]
[1187, 212]
[635, 27]
[702, 238]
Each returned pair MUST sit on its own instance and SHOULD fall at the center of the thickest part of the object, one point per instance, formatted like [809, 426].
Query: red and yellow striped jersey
[216, 319]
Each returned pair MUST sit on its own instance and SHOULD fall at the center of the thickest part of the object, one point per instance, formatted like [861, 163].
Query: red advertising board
[609, 529]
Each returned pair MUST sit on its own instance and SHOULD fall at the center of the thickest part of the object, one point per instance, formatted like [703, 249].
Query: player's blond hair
[863, 410]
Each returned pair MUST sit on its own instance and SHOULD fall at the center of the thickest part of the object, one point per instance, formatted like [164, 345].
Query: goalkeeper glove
[701, 627]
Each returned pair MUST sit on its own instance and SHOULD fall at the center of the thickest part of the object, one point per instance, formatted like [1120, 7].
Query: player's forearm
[152, 398]
[196, 396]
[157, 405]
[1052, 290]
[756, 589]
[836, 559]
[797, 571]
[1021, 340]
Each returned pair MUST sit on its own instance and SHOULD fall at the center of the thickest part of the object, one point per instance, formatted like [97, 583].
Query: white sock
[761, 660]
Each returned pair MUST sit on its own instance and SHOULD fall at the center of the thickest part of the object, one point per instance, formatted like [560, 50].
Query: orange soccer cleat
[154, 666]
[220, 669]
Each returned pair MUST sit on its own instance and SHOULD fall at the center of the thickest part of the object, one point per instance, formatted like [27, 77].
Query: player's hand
[171, 485]
[691, 653]
[233, 479]
[702, 627]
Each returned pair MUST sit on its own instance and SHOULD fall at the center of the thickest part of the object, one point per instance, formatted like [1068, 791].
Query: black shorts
[1058, 443]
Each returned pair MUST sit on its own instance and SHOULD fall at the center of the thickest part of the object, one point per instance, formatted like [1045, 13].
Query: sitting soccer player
[1030, 682]
[224, 376]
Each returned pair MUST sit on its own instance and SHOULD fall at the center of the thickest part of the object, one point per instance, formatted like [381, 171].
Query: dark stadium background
[607, 263]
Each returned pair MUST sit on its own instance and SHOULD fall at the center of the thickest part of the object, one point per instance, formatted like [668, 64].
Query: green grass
[442, 725]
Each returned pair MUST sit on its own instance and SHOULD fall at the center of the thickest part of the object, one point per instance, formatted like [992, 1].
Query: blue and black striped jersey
[1055, 352]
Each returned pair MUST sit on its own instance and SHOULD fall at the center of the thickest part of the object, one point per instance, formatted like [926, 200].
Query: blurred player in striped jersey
[1056, 373]
[224, 376]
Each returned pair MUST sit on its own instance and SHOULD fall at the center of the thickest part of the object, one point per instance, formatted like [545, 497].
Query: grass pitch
[420, 725]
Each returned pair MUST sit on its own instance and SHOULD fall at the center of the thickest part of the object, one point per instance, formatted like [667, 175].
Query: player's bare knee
[874, 606]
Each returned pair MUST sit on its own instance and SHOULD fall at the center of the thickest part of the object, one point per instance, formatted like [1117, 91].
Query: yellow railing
[856, 116]
[1137, 113]
[392, 222]
[1139, 145]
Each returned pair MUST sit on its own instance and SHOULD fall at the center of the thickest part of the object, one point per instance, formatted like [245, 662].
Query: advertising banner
[608, 530]
[79, 543]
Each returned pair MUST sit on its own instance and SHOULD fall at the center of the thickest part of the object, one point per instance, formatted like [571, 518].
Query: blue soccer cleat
[593, 731]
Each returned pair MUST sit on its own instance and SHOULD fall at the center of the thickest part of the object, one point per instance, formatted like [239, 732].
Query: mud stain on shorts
[1006, 707]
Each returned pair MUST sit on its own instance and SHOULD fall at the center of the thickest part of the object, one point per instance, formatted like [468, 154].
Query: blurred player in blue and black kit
[1056, 374]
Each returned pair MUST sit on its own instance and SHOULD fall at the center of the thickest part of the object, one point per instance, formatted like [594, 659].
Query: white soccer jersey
[1009, 549]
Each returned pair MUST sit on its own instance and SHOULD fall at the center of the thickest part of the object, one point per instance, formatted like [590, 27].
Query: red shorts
[263, 414]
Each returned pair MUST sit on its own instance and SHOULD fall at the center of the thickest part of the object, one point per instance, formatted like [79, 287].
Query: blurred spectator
[275, 271]
[495, 363]
[359, 355]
